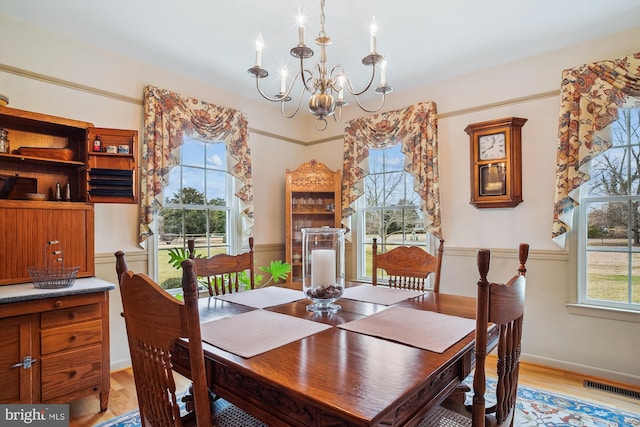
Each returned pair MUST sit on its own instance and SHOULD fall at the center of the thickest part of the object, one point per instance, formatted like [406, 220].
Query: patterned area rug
[539, 408]
[534, 408]
[225, 415]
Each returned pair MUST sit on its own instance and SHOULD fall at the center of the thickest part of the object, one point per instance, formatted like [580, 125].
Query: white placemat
[428, 330]
[379, 294]
[258, 331]
[263, 297]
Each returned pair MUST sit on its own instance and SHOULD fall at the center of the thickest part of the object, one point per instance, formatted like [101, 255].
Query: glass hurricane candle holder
[323, 267]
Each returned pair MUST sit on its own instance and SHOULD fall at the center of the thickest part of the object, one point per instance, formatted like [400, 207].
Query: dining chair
[502, 305]
[225, 272]
[155, 320]
[408, 267]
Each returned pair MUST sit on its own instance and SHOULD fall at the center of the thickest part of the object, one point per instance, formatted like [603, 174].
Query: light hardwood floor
[122, 398]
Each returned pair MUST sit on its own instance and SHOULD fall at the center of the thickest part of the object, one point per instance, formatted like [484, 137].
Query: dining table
[387, 358]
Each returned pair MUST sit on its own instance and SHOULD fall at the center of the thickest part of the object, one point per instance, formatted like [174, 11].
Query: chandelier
[326, 86]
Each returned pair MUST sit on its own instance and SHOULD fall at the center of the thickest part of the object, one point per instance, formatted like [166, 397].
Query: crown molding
[138, 101]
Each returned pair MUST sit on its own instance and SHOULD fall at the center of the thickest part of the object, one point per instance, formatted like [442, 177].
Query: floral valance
[169, 116]
[416, 128]
[590, 98]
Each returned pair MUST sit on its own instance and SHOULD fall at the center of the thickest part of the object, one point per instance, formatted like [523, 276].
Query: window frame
[232, 207]
[361, 241]
[607, 307]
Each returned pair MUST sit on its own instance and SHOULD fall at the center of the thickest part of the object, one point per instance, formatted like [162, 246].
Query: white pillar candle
[300, 28]
[383, 73]
[373, 29]
[323, 267]
[283, 80]
[341, 88]
[259, 47]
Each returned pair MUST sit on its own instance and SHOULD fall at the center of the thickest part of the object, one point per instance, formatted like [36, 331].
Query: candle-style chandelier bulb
[325, 85]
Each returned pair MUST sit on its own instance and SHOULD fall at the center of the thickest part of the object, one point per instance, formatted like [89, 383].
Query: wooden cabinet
[17, 383]
[111, 174]
[48, 151]
[49, 179]
[26, 226]
[55, 350]
[312, 200]
[45, 151]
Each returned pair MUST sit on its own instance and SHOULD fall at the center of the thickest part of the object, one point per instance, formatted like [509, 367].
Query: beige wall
[49, 74]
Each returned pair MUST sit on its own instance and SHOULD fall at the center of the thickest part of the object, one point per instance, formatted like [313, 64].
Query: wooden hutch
[56, 341]
[312, 200]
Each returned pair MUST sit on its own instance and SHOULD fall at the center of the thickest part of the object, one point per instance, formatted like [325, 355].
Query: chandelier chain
[322, 17]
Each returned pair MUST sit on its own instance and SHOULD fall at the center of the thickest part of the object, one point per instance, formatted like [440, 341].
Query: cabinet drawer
[71, 336]
[77, 372]
[68, 315]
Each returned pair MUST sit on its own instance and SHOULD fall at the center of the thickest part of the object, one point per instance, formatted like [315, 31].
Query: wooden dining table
[338, 377]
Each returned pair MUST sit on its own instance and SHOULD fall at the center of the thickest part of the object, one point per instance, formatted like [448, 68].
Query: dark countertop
[27, 292]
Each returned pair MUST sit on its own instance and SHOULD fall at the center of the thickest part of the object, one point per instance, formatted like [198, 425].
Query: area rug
[534, 408]
[539, 408]
[224, 415]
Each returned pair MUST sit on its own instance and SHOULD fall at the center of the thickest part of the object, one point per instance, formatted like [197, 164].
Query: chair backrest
[121, 264]
[223, 271]
[503, 305]
[154, 321]
[408, 266]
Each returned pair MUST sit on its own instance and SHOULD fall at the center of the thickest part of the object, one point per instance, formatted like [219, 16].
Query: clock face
[492, 146]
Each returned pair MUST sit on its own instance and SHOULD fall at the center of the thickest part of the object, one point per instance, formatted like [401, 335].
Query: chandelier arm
[337, 69]
[302, 74]
[337, 114]
[353, 92]
[284, 96]
[282, 110]
[274, 99]
[368, 110]
[308, 83]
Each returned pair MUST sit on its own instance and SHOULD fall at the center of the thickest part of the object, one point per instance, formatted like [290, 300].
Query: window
[198, 204]
[389, 209]
[609, 237]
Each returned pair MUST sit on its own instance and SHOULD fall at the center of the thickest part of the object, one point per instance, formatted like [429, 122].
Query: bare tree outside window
[390, 208]
[611, 259]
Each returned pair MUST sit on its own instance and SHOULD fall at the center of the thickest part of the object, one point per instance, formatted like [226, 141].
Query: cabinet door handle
[26, 363]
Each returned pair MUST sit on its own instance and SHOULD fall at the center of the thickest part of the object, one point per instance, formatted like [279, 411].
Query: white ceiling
[424, 40]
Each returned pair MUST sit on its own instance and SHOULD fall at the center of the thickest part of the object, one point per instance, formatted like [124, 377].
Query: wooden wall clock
[496, 162]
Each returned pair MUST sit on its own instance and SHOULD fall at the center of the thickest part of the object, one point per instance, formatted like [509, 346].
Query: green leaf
[176, 256]
[278, 270]
[244, 280]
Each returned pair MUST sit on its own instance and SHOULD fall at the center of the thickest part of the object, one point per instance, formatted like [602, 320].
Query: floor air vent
[612, 389]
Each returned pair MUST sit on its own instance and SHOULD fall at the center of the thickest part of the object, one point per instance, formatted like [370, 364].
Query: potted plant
[277, 269]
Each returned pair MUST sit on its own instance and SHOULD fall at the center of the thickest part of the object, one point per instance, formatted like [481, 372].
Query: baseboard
[119, 366]
[578, 370]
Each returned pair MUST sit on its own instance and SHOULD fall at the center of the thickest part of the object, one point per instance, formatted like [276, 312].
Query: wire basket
[57, 278]
[53, 275]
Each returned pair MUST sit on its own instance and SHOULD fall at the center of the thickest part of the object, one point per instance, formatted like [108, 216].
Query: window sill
[604, 312]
